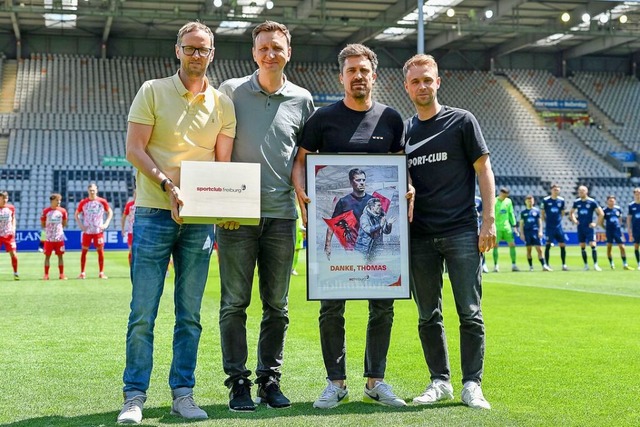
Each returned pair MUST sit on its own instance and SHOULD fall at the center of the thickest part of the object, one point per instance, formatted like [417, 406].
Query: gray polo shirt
[268, 128]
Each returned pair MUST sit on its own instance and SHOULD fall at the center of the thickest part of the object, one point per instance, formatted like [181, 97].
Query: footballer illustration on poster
[357, 227]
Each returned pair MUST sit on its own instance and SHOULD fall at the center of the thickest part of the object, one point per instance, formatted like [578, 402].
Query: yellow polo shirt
[185, 127]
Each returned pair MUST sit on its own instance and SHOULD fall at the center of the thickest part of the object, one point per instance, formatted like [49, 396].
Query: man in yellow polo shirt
[171, 119]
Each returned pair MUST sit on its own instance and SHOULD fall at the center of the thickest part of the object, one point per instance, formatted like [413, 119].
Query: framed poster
[357, 226]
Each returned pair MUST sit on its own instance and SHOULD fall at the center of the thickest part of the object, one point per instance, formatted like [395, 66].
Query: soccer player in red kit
[53, 220]
[128, 215]
[90, 217]
[8, 230]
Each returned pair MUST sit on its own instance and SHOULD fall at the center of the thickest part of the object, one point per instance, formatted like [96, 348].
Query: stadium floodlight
[488, 13]
[565, 17]
[217, 3]
[269, 5]
[604, 18]
[623, 19]
[451, 13]
[586, 18]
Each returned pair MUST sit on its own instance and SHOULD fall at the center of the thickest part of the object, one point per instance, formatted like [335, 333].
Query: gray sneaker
[331, 396]
[132, 410]
[186, 407]
[435, 392]
[472, 396]
[381, 393]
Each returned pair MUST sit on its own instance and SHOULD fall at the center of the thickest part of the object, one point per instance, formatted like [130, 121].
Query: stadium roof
[511, 26]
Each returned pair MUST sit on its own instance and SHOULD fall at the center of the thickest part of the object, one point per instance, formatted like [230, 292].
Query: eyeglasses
[202, 51]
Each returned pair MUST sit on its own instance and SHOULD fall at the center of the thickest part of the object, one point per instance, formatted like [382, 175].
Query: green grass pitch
[563, 349]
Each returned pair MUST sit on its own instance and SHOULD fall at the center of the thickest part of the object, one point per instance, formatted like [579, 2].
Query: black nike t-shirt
[441, 152]
[337, 128]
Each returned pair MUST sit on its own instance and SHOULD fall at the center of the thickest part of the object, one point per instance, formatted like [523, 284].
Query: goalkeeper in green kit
[506, 228]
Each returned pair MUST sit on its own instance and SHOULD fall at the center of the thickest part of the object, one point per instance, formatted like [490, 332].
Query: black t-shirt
[337, 128]
[441, 152]
[351, 203]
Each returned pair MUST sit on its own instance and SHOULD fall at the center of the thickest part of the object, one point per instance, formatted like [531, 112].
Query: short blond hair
[193, 26]
[417, 60]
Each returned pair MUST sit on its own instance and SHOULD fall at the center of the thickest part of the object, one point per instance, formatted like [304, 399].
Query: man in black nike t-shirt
[446, 152]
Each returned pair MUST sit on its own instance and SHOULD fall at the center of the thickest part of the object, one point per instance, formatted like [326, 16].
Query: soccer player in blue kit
[633, 224]
[478, 201]
[553, 209]
[531, 231]
[611, 222]
[582, 215]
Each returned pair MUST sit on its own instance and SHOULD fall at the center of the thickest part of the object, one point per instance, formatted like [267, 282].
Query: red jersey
[7, 215]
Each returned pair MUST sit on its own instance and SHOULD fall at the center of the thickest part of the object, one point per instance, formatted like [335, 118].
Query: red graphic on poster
[345, 228]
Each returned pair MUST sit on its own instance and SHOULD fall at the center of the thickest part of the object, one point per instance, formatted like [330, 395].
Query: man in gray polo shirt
[270, 112]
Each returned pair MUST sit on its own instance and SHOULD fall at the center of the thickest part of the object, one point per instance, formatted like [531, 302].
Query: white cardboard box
[216, 192]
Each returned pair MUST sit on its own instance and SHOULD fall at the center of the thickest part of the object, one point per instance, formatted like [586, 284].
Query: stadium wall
[29, 240]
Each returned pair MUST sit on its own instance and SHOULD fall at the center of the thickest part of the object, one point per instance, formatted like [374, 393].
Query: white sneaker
[496, 269]
[132, 410]
[546, 268]
[565, 268]
[485, 269]
[596, 267]
[381, 393]
[586, 268]
[613, 266]
[331, 396]
[530, 268]
[472, 396]
[436, 391]
[638, 268]
[186, 407]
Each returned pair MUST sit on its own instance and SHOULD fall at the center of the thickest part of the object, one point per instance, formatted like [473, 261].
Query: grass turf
[562, 349]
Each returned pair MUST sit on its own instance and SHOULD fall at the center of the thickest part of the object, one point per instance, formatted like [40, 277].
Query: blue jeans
[460, 252]
[334, 344]
[156, 237]
[270, 245]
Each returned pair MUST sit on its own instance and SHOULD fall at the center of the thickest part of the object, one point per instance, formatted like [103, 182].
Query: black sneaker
[269, 393]
[240, 396]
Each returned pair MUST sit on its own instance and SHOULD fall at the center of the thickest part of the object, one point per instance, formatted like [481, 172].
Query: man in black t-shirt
[446, 152]
[355, 124]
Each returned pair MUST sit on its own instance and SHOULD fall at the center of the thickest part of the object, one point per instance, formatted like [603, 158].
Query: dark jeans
[460, 252]
[270, 245]
[334, 344]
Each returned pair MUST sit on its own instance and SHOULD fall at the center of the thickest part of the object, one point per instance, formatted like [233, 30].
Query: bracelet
[164, 182]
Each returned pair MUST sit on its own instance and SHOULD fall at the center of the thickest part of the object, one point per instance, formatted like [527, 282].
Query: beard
[195, 69]
[360, 93]
[424, 101]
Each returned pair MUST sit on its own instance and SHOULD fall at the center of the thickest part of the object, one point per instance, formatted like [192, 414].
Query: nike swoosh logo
[411, 148]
